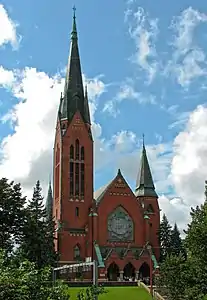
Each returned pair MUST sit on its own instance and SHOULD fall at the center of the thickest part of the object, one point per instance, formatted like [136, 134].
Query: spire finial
[143, 140]
[74, 10]
[74, 31]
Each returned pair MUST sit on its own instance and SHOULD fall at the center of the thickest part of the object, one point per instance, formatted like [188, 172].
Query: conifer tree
[176, 242]
[164, 238]
[38, 243]
[12, 214]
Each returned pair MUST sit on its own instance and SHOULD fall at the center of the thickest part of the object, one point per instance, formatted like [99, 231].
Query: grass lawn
[118, 293]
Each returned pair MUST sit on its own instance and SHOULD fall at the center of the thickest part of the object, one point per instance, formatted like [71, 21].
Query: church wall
[109, 203]
[66, 211]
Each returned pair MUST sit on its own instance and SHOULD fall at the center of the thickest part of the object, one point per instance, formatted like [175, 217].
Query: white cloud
[143, 31]
[127, 92]
[8, 29]
[189, 60]
[6, 77]
[26, 154]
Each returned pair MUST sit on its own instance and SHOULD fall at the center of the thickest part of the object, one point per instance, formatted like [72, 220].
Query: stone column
[136, 275]
[121, 275]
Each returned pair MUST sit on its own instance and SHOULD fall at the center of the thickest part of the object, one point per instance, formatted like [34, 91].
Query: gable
[118, 186]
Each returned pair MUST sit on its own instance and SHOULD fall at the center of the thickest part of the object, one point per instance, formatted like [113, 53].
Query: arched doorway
[113, 272]
[129, 272]
[144, 272]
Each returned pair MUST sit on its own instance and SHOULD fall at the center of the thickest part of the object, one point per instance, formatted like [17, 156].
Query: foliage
[91, 293]
[171, 280]
[12, 214]
[196, 243]
[25, 282]
[177, 246]
[37, 244]
[164, 238]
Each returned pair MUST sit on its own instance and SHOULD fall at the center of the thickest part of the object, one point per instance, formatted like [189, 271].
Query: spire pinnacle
[74, 30]
[73, 98]
[49, 201]
[145, 185]
[143, 144]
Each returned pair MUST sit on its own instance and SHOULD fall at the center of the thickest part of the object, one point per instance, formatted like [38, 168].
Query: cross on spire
[74, 10]
[143, 139]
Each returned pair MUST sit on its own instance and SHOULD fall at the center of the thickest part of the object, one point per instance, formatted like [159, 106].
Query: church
[113, 225]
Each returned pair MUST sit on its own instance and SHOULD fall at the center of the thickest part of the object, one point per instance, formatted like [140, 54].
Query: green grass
[118, 293]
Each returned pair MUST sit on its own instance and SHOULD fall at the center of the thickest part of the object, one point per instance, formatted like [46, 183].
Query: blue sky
[145, 64]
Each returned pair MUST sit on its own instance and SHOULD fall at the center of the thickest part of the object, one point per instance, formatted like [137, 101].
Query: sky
[145, 65]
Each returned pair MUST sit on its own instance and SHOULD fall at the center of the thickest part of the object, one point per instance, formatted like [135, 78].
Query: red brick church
[114, 225]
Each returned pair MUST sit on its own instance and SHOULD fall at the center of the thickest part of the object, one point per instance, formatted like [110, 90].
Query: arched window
[77, 179]
[150, 209]
[82, 179]
[71, 178]
[71, 152]
[77, 211]
[82, 153]
[76, 252]
[77, 149]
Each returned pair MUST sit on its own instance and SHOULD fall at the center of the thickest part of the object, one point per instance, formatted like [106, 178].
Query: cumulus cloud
[26, 154]
[8, 32]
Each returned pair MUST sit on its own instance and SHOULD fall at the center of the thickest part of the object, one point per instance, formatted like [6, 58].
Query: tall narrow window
[77, 211]
[76, 252]
[71, 152]
[57, 179]
[82, 153]
[77, 179]
[82, 179]
[77, 149]
[71, 179]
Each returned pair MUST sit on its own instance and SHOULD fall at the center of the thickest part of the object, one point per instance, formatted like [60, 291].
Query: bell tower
[148, 199]
[73, 162]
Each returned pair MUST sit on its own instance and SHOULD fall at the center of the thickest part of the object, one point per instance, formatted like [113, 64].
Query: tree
[38, 239]
[12, 214]
[22, 281]
[164, 238]
[177, 246]
[196, 243]
[171, 280]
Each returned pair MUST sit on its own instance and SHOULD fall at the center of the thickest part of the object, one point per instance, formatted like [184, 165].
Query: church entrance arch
[144, 272]
[113, 272]
[129, 272]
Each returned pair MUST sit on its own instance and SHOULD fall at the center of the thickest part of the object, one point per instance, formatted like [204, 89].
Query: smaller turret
[49, 201]
[145, 185]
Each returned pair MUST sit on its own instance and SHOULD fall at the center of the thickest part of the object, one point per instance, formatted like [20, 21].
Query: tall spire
[49, 201]
[73, 98]
[144, 184]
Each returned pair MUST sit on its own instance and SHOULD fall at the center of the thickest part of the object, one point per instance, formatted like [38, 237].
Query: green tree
[38, 240]
[196, 243]
[172, 278]
[177, 246]
[12, 214]
[22, 281]
[164, 238]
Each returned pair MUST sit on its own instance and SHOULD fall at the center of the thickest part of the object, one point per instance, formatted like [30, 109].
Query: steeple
[144, 184]
[49, 201]
[73, 98]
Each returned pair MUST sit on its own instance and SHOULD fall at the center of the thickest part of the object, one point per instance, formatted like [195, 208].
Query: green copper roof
[49, 201]
[73, 99]
[144, 184]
